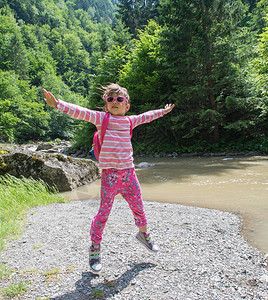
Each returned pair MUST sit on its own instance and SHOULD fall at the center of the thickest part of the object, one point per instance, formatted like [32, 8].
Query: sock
[147, 234]
[95, 248]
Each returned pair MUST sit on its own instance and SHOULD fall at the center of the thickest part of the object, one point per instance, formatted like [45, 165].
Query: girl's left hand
[168, 108]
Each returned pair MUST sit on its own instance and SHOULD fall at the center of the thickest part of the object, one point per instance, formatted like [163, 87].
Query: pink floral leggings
[113, 182]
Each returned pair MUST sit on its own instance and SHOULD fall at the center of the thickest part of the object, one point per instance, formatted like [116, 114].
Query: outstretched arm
[151, 115]
[73, 110]
[50, 99]
[168, 108]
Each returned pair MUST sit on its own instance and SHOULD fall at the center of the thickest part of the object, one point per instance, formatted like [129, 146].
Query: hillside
[213, 68]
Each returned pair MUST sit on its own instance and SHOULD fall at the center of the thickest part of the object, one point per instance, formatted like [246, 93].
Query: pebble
[205, 259]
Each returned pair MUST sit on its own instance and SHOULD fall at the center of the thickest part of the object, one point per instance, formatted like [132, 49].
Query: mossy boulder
[56, 169]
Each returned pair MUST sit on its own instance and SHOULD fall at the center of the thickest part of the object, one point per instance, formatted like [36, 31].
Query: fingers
[49, 98]
[169, 105]
[45, 92]
[48, 95]
[168, 108]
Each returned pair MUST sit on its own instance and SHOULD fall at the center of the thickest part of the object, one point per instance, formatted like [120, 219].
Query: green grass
[4, 271]
[110, 283]
[98, 294]
[16, 197]
[15, 290]
[52, 275]
[52, 272]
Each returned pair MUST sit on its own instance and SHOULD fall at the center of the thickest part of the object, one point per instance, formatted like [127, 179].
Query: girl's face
[117, 108]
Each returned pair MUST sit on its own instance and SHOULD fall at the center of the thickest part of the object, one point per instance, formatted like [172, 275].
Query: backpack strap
[104, 125]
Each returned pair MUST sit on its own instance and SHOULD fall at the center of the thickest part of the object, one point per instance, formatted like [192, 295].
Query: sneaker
[95, 258]
[146, 240]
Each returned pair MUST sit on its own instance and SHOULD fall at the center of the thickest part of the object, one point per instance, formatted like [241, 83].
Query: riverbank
[203, 255]
[235, 184]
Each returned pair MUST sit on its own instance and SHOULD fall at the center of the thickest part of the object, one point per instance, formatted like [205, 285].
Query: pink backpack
[97, 141]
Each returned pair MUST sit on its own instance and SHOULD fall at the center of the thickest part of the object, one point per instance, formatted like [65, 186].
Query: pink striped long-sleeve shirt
[116, 151]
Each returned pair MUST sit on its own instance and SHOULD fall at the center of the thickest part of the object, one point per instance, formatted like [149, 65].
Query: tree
[21, 116]
[107, 71]
[199, 61]
[136, 13]
[121, 37]
[8, 122]
[13, 54]
[261, 66]
[142, 76]
[73, 62]
[101, 10]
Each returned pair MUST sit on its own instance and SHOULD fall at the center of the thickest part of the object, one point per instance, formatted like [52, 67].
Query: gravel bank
[203, 255]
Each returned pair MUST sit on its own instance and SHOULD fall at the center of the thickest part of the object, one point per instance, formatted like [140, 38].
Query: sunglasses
[119, 99]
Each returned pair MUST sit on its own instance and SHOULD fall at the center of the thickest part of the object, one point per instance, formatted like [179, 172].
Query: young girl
[116, 161]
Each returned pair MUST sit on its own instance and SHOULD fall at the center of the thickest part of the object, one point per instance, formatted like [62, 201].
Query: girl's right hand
[50, 99]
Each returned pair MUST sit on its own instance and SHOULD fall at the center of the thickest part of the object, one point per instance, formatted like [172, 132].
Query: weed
[15, 290]
[4, 271]
[52, 275]
[69, 269]
[98, 294]
[29, 272]
[110, 283]
[54, 271]
[37, 246]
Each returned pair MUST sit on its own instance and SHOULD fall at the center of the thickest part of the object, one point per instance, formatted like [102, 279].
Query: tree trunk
[212, 98]
[216, 135]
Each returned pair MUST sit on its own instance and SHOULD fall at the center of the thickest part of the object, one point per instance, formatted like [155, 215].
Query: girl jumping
[116, 161]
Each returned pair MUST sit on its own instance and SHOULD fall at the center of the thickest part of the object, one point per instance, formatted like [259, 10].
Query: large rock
[63, 172]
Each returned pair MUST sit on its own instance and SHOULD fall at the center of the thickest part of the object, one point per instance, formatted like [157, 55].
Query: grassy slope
[16, 197]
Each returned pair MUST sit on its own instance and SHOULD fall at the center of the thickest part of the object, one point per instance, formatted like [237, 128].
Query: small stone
[264, 278]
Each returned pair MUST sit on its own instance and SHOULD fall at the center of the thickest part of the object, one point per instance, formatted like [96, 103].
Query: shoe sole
[95, 271]
[146, 246]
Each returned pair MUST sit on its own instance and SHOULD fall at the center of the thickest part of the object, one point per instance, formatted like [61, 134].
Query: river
[235, 184]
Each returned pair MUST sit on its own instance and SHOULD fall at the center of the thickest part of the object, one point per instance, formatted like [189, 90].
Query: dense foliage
[207, 57]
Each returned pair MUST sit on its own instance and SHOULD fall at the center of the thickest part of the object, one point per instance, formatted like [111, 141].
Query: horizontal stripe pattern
[146, 117]
[81, 113]
[116, 151]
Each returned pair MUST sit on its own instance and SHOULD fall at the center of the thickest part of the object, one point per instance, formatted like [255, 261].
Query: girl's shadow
[84, 288]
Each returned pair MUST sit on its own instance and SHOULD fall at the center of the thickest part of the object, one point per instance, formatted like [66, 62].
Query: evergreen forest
[208, 57]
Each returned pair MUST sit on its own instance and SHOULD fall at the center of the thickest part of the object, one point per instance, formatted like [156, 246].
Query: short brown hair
[114, 89]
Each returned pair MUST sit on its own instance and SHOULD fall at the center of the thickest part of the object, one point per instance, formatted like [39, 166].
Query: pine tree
[199, 59]
[136, 13]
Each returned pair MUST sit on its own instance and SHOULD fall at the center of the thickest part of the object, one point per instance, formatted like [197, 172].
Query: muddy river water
[235, 184]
